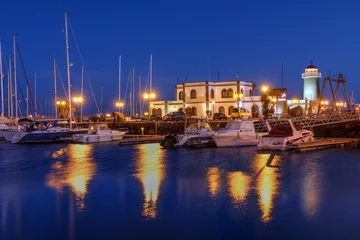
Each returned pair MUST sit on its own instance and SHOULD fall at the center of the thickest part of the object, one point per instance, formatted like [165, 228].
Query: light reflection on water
[267, 184]
[239, 186]
[150, 168]
[213, 176]
[75, 173]
[311, 188]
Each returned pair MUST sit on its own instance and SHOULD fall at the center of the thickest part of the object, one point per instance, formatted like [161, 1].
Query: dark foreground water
[104, 191]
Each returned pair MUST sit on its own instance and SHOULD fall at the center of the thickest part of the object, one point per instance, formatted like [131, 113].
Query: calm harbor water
[104, 191]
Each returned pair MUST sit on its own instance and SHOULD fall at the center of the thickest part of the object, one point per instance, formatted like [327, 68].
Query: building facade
[205, 98]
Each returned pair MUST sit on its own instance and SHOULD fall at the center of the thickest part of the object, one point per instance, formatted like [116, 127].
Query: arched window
[250, 92]
[181, 95]
[230, 109]
[153, 111]
[212, 95]
[181, 110]
[193, 94]
[221, 109]
[159, 112]
[224, 93]
[242, 92]
[193, 111]
[230, 93]
[255, 111]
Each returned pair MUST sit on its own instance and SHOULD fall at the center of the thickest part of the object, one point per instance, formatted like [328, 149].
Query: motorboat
[283, 135]
[3, 128]
[197, 133]
[237, 133]
[99, 133]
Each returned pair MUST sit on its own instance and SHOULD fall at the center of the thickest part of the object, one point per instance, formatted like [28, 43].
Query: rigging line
[82, 61]
[26, 77]
[62, 82]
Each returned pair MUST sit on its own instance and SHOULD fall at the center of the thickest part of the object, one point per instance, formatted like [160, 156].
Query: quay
[140, 139]
[325, 144]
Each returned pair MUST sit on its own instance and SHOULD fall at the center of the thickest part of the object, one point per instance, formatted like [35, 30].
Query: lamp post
[238, 96]
[213, 106]
[149, 96]
[78, 100]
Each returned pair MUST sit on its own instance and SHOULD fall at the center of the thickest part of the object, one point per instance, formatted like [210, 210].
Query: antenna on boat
[68, 65]
[82, 93]
[119, 82]
[11, 92]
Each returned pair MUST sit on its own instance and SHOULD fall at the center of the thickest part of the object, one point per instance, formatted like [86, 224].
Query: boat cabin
[95, 129]
[196, 125]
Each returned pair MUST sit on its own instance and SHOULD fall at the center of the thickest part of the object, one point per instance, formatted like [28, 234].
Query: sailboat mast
[55, 90]
[150, 87]
[27, 101]
[11, 92]
[2, 84]
[82, 92]
[130, 97]
[15, 78]
[140, 113]
[68, 66]
[119, 81]
[35, 92]
[101, 101]
[133, 91]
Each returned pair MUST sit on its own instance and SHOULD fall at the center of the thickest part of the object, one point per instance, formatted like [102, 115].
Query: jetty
[324, 144]
[140, 139]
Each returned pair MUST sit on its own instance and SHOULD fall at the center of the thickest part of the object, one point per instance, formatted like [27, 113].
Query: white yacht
[197, 133]
[283, 135]
[237, 133]
[99, 133]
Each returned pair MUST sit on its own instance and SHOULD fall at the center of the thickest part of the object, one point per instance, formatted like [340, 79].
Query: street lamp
[149, 96]
[238, 96]
[119, 105]
[264, 88]
[79, 101]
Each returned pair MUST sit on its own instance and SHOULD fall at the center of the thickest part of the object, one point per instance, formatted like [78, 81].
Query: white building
[214, 97]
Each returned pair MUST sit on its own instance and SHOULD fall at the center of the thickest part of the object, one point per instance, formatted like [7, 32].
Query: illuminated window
[230, 93]
[212, 95]
[181, 95]
[224, 93]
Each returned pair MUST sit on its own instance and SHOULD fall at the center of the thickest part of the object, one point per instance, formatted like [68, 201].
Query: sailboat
[49, 132]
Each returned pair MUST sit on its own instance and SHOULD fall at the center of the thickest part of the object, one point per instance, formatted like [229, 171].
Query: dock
[324, 144]
[140, 139]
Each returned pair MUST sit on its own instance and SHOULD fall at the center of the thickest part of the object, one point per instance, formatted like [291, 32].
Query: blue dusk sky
[248, 39]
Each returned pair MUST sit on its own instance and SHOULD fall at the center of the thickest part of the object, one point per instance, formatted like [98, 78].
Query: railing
[311, 75]
[315, 120]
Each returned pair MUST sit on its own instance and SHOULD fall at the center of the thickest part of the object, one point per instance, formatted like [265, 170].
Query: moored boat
[197, 133]
[237, 133]
[283, 135]
[99, 133]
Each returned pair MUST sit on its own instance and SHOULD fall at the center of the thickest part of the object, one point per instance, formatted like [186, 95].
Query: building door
[255, 111]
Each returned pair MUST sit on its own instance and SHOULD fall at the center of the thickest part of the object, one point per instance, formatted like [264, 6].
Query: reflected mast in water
[213, 175]
[311, 189]
[150, 168]
[76, 173]
[267, 185]
[239, 186]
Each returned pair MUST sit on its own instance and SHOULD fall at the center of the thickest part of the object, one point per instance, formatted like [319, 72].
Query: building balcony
[308, 75]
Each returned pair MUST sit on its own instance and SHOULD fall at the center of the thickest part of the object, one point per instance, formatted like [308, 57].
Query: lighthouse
[311, 82]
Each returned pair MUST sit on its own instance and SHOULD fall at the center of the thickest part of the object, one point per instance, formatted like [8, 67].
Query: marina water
[104, 191]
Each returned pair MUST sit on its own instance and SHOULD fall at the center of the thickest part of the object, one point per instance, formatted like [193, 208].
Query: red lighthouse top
[311, 65]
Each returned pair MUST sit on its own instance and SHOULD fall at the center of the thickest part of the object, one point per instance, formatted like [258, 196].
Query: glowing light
[264, 88]
[295, 101]
[78, 99]
[214, 181]
[150, 169]
[213, 102]
[119, 104]
[108, 115]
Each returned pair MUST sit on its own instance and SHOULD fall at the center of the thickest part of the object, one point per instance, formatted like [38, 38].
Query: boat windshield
[104, 128]
[282, 130]
[233, 125]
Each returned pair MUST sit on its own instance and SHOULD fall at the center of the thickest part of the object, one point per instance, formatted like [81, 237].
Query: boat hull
[280, 143]
[235, 141]
[41, 137]
[8, 135]
[95, 138]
